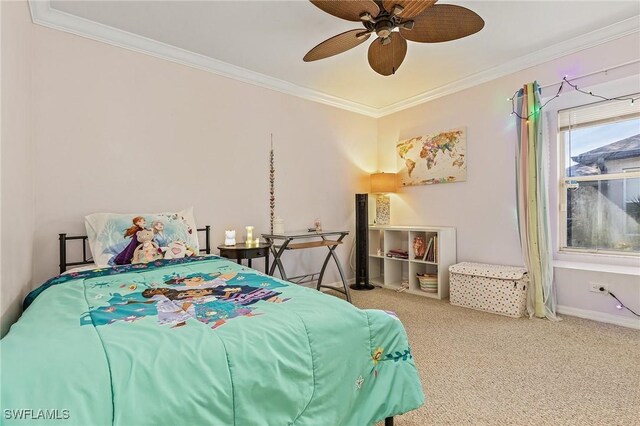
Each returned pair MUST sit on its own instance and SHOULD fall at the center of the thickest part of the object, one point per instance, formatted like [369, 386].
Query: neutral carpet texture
[484, 369]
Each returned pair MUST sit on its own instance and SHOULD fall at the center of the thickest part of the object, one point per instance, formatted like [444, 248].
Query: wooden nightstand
[242, 251]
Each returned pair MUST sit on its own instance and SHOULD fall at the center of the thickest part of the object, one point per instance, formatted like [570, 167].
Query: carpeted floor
[484, 369]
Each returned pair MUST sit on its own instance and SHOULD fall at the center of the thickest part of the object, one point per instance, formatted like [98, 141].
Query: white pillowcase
[112, 236]
[89, 267]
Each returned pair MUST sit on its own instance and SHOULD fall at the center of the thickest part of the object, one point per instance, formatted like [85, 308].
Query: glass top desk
[298, 240]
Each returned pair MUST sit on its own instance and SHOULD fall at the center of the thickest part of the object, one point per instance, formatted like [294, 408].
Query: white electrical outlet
[599, 288]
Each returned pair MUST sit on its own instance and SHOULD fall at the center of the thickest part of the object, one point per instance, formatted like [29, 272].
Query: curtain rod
[592, 73]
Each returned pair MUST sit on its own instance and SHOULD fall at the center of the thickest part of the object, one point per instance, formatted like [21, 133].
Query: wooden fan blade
[410, 9]
[336, 44]
[443, 22]
[348, 9]
[385, 59]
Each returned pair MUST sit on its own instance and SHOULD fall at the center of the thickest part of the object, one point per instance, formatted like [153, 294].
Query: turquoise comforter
[201, 341]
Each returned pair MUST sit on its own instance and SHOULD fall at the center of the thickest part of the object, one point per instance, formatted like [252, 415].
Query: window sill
[597, 267]
[600, 254]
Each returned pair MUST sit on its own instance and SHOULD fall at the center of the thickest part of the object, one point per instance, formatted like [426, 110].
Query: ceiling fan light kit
[394, 22]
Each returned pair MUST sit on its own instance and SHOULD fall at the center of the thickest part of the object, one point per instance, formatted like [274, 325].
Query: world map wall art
[439, 158]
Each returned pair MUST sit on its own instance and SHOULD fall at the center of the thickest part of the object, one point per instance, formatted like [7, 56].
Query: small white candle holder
[249, 239]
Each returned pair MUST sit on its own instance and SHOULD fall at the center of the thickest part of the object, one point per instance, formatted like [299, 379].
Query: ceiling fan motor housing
[384, 27]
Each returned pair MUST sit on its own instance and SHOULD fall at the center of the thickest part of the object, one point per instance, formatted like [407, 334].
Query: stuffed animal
[176, 250]
[147, 250]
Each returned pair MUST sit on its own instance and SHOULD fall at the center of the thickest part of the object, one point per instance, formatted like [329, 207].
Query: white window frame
[564, 182]
[624, 194]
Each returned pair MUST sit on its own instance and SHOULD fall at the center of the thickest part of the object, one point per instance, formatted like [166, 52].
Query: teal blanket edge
[110, 270]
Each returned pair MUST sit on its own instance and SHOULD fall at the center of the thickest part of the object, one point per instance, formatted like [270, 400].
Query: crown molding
[612, 32]
[43, 14]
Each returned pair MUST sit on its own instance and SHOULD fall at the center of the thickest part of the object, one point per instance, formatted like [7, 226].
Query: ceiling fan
[422, 21]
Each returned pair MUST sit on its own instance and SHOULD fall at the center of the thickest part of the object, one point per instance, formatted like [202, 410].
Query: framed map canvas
[439, 158]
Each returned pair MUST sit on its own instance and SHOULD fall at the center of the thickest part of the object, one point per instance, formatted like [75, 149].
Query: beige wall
[16, 164]
[116, 130]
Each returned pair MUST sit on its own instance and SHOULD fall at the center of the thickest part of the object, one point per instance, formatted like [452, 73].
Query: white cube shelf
[389, 272]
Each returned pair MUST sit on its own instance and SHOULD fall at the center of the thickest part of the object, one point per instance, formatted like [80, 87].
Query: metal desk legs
[277, 253]
[276, 258]
[332, 254]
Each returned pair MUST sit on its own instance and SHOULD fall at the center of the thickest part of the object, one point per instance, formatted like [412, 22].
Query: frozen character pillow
[113, 238]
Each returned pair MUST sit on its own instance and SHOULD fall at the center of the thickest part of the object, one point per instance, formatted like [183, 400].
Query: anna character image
[125, 256]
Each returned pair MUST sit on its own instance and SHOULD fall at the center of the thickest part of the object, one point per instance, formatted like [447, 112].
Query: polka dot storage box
[498, 289]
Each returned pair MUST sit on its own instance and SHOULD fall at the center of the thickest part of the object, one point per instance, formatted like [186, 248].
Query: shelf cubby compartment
[395, 240]
[428, 237]
[419, 267]
[376, 242]
[376, 271]
[394, 272]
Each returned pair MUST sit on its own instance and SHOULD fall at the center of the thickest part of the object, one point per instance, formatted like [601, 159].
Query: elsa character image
[157, 226]
[125, 256]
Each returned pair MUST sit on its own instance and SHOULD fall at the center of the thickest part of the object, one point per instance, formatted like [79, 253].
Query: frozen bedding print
[201, 341]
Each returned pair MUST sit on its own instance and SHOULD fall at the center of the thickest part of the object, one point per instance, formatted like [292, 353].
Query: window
[600, 178]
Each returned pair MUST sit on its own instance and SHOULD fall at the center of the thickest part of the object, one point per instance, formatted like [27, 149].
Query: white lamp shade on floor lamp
[382, 184]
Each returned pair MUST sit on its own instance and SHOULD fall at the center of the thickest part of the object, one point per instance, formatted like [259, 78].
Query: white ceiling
[271, 37]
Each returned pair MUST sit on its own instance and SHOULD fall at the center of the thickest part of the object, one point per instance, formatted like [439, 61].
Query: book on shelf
[426, 253]
[398, 254]
[435, 249]
[432, 250]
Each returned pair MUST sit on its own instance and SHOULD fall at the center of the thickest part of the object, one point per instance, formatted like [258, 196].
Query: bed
[201, 340]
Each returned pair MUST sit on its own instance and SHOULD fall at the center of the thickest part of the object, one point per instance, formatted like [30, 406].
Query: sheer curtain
[532, 172]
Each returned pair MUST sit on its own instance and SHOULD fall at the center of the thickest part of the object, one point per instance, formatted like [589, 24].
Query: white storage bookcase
[389, 272]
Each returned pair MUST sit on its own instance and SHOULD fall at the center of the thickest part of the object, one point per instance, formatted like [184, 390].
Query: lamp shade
[382, 183]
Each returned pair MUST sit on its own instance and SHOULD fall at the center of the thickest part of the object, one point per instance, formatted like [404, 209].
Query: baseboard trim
[561, 309]
[336, 284]
[599, 316]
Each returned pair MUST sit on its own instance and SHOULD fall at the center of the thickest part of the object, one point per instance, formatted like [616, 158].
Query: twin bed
[200, 341]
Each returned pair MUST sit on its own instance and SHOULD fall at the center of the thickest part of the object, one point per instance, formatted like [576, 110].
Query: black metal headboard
[88, 260]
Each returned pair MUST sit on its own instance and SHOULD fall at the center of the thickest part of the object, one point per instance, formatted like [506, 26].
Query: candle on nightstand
[257, 242]
[249, 238]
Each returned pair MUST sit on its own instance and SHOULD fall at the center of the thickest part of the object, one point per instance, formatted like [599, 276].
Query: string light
[521, 117]
[565, 80]
[604, 98]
